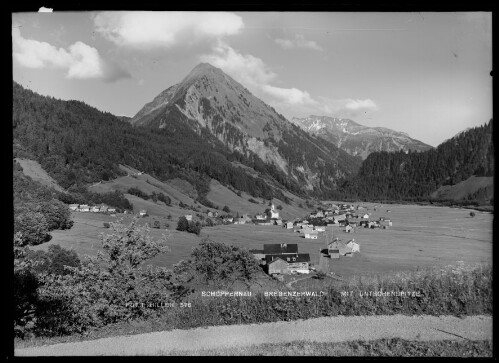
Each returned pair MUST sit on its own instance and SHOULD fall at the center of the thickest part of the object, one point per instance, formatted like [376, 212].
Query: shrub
[156, 225]
[164, 198]
[182, 224]
[137, 192]
[194, 227]
[226, 209]
[105, 288]
[25, 286]
[251, 200]
[472, 214]
[54, 260]
[106, 225]
[279, 207]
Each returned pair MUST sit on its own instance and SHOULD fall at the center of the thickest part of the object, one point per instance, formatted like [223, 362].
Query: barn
[276, 265]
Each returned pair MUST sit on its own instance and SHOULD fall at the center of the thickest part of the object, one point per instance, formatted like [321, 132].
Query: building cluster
[102, 208]
[282, 259]
[336, 248]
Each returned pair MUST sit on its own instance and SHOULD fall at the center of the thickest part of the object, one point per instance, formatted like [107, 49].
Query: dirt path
[326, 329]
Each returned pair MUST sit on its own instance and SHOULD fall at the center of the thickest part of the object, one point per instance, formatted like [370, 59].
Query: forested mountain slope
[412, 175]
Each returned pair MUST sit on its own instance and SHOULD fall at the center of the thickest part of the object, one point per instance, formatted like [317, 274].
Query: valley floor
[320, 330]
[421, 236]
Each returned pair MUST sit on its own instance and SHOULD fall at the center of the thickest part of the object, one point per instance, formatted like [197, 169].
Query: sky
[424, 73]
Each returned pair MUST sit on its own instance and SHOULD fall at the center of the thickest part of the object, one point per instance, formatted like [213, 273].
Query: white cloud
[80, 61]
[254, 74]
[356, 105]
[289, 95]
[245, 68]
[299, 41]
[148, 29]
[43, 9]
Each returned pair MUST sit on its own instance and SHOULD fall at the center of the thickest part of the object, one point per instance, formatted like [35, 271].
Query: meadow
[421, 236]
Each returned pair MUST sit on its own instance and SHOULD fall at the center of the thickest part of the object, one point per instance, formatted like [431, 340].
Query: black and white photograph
[252, 183]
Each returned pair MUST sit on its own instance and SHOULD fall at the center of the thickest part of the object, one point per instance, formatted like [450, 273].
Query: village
[284, 258]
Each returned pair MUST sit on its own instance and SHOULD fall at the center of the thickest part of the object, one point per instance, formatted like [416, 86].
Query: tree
[25, 286]
[226, 209]
[182, 224]
[33, 227]
[54, 260]
[472, 214]
[156, 225]
[217, 264]
[194, 227]
[164, 198]
[105, 287]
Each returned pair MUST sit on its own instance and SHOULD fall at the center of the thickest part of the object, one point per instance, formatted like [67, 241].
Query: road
[325, 329]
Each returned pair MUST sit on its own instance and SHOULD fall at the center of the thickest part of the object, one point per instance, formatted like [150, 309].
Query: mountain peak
[356, 139]
[203, 69]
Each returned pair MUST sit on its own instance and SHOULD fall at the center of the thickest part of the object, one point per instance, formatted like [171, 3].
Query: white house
[365, 216]
[311, 234]
[73, 206]
[273, 212]
[353, 245]
[260, 217]
[143, 212]
[320, 228]
[188, 217]
[319, 214]
[348, 228]
[111, 210]
[289, 225]
[94, 209]
[340, 217]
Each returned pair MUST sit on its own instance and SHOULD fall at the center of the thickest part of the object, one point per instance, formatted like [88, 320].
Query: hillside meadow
[420, 236]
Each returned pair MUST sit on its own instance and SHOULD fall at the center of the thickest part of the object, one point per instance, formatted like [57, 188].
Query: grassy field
[221, 195]
[464, 188]
[420, 236]
[34, 170]
[378, 348]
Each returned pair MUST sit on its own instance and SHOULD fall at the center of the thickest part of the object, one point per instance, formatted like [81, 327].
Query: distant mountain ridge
[356, 139]
[213, 103]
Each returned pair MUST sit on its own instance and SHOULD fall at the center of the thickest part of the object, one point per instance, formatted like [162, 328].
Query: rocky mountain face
[213, 103]
[356, 139]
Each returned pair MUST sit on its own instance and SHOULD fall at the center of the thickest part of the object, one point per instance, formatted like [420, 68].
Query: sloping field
[221, 195]
[83, 237]
[145, 183]
[34, 170]
[464, 188]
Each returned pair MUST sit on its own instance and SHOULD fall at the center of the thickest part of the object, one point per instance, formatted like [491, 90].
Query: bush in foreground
[105, 288]
[453, 290]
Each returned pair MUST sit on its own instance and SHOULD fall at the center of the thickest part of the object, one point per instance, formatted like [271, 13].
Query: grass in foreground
[377, 348]
[456, 290]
